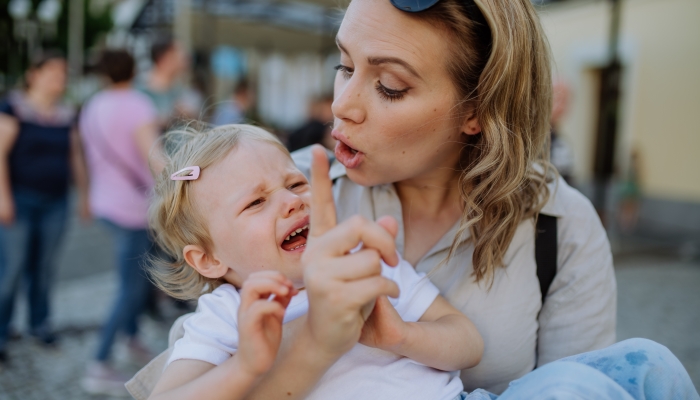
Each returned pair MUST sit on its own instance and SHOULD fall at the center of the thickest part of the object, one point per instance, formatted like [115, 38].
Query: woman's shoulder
[567, 203]
[17, 105]
[582, 239]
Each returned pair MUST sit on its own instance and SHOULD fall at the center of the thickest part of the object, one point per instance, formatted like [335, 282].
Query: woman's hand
[260, 320]
[339, 284]
[384, 329]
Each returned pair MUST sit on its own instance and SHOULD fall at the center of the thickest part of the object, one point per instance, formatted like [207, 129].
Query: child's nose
[292, 204]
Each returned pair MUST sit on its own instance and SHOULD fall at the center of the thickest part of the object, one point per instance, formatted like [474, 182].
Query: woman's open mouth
[296, 240]
[348, 156]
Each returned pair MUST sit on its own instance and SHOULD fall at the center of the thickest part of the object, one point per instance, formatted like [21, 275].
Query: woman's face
[395, 104]
[50, 78]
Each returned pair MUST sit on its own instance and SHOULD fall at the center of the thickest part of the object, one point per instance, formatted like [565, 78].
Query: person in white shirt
[232, 208]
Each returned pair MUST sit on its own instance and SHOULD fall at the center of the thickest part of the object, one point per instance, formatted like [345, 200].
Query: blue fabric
[634, 369]
[39, 159]
[29, 249]
[132, 248]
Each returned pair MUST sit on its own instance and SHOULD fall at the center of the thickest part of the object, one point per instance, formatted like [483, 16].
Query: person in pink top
[119, 128]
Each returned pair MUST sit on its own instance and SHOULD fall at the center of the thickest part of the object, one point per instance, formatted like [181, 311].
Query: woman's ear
[471, 126]
[206, 265]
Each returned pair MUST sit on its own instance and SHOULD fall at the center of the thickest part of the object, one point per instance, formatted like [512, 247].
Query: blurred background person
[39, 148]
[162, 84]
[630, 195]
[119, 126]
[317, 129]
[234, 110]
[560, 155]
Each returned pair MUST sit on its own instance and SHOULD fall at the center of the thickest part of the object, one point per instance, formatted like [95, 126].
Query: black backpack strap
[546, 247]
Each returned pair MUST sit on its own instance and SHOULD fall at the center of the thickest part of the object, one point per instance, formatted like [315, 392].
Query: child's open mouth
[296, 239]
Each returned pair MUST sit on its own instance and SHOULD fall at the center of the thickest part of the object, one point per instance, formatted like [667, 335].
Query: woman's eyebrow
[383, 60]
[393, 60]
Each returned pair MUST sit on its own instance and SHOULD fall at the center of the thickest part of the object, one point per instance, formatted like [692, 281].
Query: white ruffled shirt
[211, 335]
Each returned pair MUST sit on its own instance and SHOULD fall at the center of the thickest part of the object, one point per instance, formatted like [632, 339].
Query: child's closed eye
[254, 203]
[297, 185]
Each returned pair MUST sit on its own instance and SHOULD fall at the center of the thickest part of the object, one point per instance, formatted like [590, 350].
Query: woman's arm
[194, 379]
[443, 338]
[9, 128]
[80, 174]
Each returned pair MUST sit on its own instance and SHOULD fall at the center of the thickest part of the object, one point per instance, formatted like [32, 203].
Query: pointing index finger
[323, 216]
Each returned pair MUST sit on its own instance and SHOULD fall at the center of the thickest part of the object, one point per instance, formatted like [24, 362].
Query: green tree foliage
[13, 53]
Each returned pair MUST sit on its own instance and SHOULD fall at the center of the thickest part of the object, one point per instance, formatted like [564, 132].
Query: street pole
[76, 33]
[604, 167]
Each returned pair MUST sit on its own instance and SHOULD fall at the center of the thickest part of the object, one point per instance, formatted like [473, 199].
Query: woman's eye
[345, 71]
[390, 94]
[255, 203]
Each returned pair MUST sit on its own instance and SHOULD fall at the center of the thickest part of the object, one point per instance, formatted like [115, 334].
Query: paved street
[659, 299]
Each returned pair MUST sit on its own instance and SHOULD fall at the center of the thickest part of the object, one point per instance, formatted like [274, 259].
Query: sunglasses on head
[413, 5]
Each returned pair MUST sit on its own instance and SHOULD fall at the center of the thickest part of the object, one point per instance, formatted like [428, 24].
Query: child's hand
[384, 329]
[260, 320]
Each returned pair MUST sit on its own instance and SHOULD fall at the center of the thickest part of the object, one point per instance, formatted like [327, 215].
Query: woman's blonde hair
[173, 214]
[500, 64]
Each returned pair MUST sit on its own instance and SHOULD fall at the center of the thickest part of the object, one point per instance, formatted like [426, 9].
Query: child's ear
[206, 265]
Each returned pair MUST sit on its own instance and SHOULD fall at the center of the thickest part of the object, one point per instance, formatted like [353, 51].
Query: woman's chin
[363, 176]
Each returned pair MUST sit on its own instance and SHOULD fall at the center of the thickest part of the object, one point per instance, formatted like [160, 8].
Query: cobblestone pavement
[659, 299]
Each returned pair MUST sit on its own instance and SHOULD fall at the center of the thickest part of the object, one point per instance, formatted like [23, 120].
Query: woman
[119, 128]
[38, 150]
[442, 117]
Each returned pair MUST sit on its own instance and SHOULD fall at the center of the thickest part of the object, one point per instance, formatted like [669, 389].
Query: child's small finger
[285, 300]
[261, 288]
[262, 308]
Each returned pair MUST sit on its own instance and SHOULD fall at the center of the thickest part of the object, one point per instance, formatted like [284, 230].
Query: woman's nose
[348, 104]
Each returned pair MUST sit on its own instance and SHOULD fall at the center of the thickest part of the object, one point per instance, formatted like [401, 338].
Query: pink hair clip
[192, 175]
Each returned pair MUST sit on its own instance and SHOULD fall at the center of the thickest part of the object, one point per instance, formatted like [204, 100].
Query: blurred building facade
[286, 49]
[658, 137]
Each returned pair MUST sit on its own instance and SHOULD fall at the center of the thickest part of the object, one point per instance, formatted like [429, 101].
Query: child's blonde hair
[173, 214]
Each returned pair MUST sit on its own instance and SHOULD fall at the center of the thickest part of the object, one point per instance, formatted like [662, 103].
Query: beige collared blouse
[579, 313]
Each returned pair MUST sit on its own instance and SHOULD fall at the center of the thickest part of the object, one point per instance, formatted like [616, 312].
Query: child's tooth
[299, 230]
[293, 234]
[287, 238]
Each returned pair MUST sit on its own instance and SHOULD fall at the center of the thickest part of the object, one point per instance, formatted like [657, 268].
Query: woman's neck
[121, 85]
[161, 79]
[430, 207]
[41, 100]
[432, 194]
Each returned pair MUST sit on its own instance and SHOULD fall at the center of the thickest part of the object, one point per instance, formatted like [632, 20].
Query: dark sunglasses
[413, 5]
